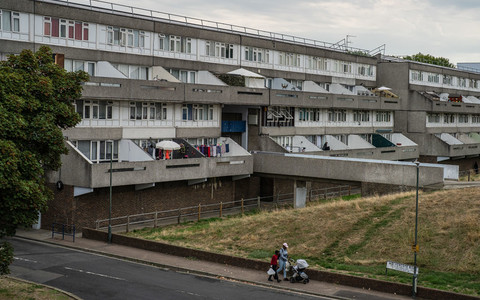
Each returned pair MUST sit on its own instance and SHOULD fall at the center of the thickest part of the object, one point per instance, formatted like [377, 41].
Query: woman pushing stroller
[282, 260]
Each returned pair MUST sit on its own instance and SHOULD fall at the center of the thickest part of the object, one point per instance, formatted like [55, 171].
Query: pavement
[204, 268]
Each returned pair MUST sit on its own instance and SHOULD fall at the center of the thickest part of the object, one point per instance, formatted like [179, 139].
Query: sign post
[415, 245]
[401, 267]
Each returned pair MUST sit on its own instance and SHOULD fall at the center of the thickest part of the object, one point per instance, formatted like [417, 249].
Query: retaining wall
[354, 281]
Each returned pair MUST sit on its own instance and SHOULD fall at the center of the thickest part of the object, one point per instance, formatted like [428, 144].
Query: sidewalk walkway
[189, 265]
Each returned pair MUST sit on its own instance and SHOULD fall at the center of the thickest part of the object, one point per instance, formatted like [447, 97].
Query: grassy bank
[356, 236]
[11, 288]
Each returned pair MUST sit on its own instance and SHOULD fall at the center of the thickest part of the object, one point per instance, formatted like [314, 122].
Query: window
[448, 118]
[79, 65]
[309, 114]
[99, 110]
[130, 37]
[55, 27]
[63, 28]
[289, 59]
[98, 151]
[110, 35]
[135, 110]
[184, 75]
[383, 116]
[163, 42]
[187, 112]
[463, 118]
[337, 115]
[148, 111]
[85, 31]
[180, 44]
[296, 83]
[433, 78]
[476, 119]
[217, 49]
[132, 72]
[346, 67]
[16, 21]
[257, 54]
[365, 70]
[160, 111]
[209, 49]
[361, 116]
[140, 41]
[316, 63]
[47, 26]
[9, 21]
[202, 112]
[433, 118]
[416, 76]
[125, 37]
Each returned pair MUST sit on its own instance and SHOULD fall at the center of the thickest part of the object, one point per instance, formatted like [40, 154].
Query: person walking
[282, 261]
[273, 265]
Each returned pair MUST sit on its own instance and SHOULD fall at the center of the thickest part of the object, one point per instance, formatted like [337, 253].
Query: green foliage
[6, 257]
[35, 105]
[359, 53]
[232, 80]
[430, 59]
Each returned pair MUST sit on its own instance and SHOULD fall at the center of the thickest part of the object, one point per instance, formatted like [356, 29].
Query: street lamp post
[415, 245]
[110, 205]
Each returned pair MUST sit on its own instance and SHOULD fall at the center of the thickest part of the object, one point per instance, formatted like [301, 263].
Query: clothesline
[213, 150]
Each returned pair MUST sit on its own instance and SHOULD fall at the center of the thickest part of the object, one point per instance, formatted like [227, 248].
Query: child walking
[273, 265]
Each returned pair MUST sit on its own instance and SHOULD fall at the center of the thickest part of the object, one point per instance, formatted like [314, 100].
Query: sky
[445, 28]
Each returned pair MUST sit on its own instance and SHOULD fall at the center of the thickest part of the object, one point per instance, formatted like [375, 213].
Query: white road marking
[96, 274]
[25, 259]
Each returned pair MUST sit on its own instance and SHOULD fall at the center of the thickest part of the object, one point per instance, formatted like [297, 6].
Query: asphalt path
[92, 276]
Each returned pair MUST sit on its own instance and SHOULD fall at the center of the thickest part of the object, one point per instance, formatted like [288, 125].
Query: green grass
[14, 289]
[354, 235]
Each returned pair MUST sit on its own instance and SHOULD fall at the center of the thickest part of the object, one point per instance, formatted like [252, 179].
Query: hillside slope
[357, 236]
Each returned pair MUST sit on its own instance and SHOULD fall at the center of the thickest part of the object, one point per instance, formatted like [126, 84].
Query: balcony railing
[148, 14]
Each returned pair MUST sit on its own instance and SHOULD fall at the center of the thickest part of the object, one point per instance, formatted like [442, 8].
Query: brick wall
[84, 210]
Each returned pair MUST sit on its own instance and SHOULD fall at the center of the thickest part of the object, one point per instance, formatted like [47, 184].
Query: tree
[430, 59]
[35, 105]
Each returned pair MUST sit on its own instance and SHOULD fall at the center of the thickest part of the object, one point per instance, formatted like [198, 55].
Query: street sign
[415, 248]
[401, 267]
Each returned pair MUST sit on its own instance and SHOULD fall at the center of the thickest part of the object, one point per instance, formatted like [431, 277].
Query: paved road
[91, 276]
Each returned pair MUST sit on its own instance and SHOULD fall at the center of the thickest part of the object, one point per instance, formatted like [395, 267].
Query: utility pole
[110, 205]
[415, 245]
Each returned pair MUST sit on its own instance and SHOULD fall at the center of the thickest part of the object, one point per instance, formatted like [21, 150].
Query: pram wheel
[292, 280]
[305, 281]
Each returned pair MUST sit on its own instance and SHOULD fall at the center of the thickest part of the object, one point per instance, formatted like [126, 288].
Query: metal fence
[64, 230]
[221, 209]
[468, 175]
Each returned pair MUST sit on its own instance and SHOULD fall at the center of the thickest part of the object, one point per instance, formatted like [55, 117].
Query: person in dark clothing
[326, 147]
[475, 167]
[273, 265]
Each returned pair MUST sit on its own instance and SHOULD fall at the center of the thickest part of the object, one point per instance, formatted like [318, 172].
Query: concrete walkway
[188, 265]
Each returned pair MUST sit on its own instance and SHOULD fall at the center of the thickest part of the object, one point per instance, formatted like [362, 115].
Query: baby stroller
[298, 270]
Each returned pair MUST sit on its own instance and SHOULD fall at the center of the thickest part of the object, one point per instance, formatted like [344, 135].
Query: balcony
[90, 175]
[234, 126]
[398, 147]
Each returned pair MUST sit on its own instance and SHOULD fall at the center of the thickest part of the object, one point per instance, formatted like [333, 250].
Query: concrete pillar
[300, 194]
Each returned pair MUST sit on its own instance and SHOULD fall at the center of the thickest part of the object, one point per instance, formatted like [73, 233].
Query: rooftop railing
[120, 9]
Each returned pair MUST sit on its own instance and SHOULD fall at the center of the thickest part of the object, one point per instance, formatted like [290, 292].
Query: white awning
[246, 73]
